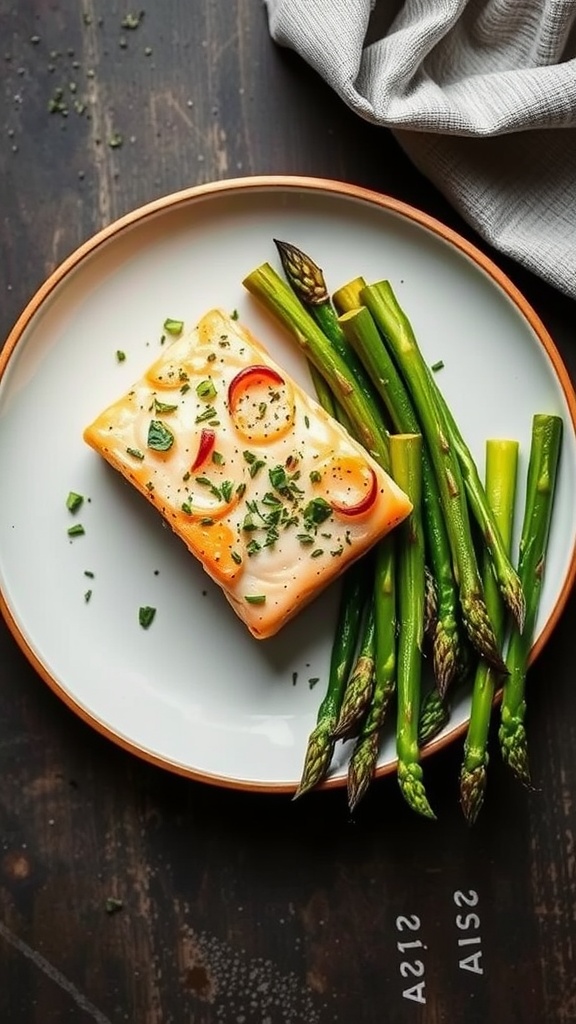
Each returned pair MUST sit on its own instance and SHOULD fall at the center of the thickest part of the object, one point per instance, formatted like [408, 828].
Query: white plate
[195, 693]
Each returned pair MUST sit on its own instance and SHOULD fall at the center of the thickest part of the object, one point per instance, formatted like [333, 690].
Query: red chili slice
[251, 375]
[205, 447]
[365, 502]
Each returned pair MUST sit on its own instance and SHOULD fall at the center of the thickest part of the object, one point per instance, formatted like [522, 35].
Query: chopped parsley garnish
[317, 511]
[206, 390]
[256, 467]
[135, 453]
[74, 501]
[146, 616]
[437, 366]
[160, 437]
[208, 414]
[89, 574]
[255, 598]
[76, 531]
[164, 406]
[217, 458]
[312, 682]
[226, 490]
[87, 596]
[315, 476]
[234, 314]
[317, 553]
[236, 557]
[173, 327]
[120, 355]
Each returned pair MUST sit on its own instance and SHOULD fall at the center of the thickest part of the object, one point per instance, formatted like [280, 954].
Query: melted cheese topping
[268, 491]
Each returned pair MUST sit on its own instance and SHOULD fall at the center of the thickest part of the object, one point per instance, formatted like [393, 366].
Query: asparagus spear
[501, 472]
[307, 281]
[266, 285]
[321, 741]
[365, 754]
[397, 330]
[363, 335]
[406, 456]
[360, 686]
[505, 574]
[543, 462]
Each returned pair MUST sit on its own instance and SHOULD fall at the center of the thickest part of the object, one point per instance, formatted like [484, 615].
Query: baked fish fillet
[269, 492]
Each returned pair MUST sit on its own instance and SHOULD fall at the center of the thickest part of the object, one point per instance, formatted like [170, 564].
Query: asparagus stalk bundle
[425, 581]
[406, 459]
[541, 482]
[501, 472]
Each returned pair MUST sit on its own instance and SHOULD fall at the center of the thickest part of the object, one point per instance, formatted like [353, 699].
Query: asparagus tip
[472, 790]
[361, 768]
[317, 758]
[514, 747]
[481, 633]
[412, 787]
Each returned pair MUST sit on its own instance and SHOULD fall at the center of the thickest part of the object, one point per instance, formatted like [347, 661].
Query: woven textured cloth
[481, 95]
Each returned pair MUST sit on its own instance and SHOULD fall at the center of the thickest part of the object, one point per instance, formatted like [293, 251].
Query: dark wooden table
[238, 908]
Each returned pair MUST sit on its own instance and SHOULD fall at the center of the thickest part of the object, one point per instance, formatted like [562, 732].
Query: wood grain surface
[244, 909]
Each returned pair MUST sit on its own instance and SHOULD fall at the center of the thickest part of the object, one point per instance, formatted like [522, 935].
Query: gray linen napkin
[481, 95]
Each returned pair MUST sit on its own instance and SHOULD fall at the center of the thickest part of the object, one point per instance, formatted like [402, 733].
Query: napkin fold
[480, 94]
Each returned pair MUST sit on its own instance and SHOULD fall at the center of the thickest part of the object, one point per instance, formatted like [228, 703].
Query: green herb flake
[206, 390]
[87, 596]
[236, 557]
[439, 365]
[173, 327]
[256, 467]
[316, 553]
[317, 511]
[315, 476]
[76, 531]
[255, 598]
[184, 389]
[312, 682]
[186, 507]
[234, 314]
[120, 355]
[160, 437]
[226, 490]
[131, 21]
[307, 421]
[74, 501]
[146, 616]
[164, 407]
[135, 453]
[89, 574]
[217, 458]
[208, 414]
[112, 905]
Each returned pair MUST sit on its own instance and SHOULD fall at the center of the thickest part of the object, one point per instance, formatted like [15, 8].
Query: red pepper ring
[205, 448]
[365, 502]
[250, 375]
